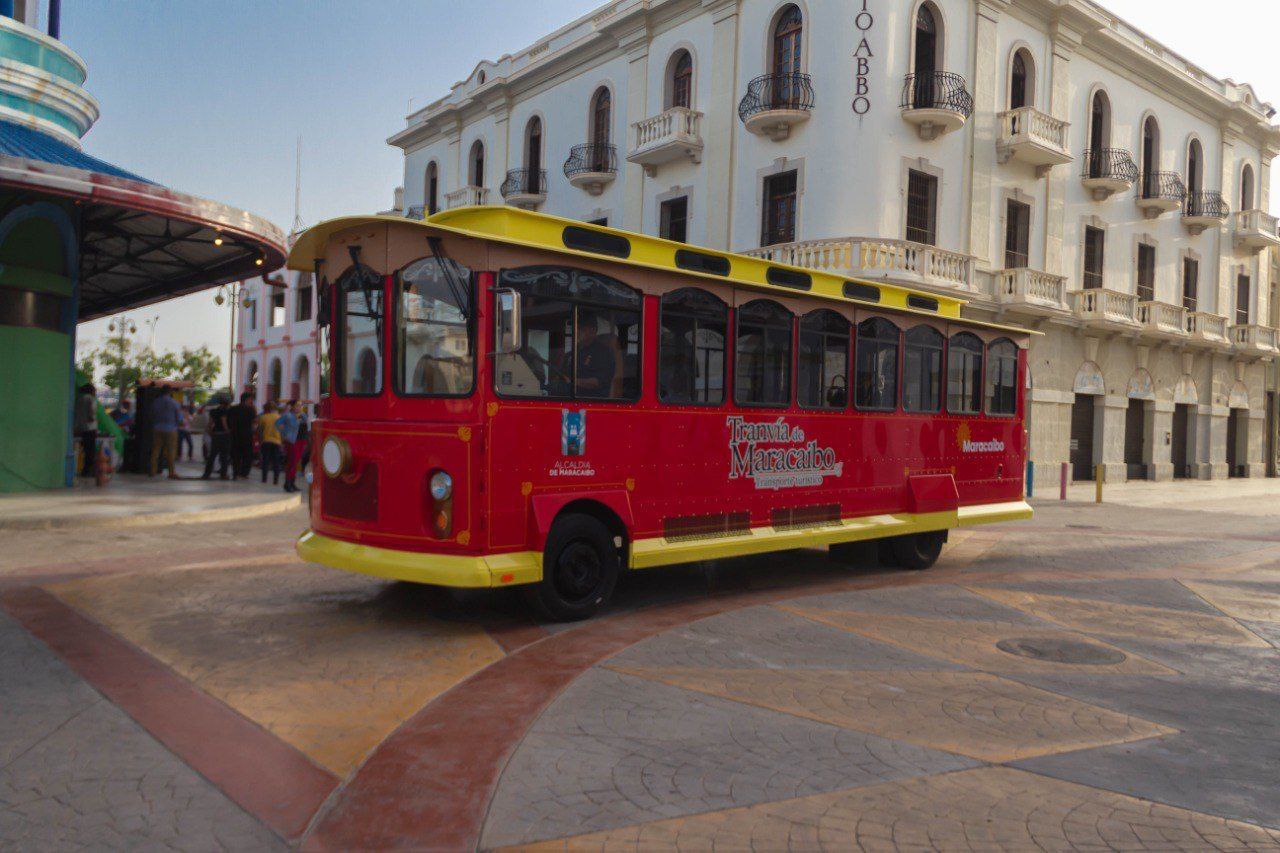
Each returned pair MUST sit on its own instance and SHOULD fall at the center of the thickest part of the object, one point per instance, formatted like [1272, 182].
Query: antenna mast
[297, 189]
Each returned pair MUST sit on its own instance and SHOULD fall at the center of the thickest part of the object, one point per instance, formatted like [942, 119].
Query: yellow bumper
[416, 567]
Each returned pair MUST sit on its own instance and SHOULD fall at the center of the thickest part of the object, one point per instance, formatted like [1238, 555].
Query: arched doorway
[275, 380]
[301, 387]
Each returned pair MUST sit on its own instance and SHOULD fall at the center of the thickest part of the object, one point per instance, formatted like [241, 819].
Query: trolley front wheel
[918, 550]
[580, 568]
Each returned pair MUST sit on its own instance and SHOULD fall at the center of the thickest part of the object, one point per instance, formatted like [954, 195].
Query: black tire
[580, 569]
[919, 550]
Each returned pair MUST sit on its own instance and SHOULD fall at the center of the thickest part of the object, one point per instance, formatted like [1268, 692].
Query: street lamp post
[121, 327]
[229, 294]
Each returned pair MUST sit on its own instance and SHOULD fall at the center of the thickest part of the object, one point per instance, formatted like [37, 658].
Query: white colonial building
[275, 355]
[1044, 159]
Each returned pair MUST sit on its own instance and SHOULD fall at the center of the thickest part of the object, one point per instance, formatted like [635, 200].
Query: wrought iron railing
[1207, 204]
[524, 182]
[776, 92]
[594, 157]
[1110, 164]
[937, 90]
[1162, 186]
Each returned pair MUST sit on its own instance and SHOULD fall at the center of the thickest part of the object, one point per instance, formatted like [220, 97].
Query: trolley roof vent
[688, 259]
[864, 292]
[789, 278]
[598, 242]
[922, 302]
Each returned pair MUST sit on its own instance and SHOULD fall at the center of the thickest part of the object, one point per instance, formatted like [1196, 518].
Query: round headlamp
[441, 486]
[335, 456]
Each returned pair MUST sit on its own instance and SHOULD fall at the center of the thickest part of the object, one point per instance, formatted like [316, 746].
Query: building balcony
[1204, 210]
[592, 166]
[1162, 320]
[1108, 171]
[466, 197]
[1032, 137]
[1254, 340]
[672, 134]
[896, 261]
[775, 103]
[1257, 229]
[525, 188]
[936, 103]
[1106, 309]
[1161, 192]
[1027, 291]
[1207, 330]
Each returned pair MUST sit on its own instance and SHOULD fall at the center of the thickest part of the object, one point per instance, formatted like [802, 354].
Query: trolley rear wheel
[580, 568]
[917, 550]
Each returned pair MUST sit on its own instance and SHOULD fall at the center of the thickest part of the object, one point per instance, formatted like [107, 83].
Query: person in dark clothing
[219, 439]
[597, 364]
[240, 419]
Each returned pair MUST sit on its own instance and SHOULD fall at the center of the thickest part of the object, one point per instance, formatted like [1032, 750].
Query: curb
[158, 519]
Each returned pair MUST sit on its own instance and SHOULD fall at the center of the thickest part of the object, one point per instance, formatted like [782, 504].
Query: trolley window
[762, 372]
[360, 314]
[580, 336]
[691, 347]
[876, 362]
[435, 352]
[1002, 377]
[964, 374]
[823, 377]
[922, 368]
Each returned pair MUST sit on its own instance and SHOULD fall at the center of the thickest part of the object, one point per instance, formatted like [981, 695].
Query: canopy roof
[140, 242]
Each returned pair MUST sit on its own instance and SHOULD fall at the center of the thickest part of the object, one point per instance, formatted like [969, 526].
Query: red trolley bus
[519, 399]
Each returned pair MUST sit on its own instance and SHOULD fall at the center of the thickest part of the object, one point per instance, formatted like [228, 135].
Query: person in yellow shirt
[269, 436]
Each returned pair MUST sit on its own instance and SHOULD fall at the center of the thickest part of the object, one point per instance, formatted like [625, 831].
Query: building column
[1050, 436]
[718, 123]
[1158, 441]
[1224, 298]
[633, 182]
[1108, 437]
[1211, 449]
[986, 101]
[1064, 46]
[498, 155]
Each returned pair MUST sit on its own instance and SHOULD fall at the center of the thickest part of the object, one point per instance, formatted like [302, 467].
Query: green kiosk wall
[37, 255]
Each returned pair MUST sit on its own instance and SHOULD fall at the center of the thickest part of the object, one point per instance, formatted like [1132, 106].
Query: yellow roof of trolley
[514, 226]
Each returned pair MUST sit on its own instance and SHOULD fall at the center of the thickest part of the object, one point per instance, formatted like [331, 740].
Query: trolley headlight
[441, 486]
[335, 456]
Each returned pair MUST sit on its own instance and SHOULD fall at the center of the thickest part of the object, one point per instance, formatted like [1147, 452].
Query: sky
[210, 98]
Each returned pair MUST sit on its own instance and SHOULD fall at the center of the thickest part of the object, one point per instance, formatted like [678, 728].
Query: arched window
[251, 377]
[922, 370]
[823, 381]
[533, 157]
[275, 380]
[681, 84]
[1002, 377]
[927, 40]
[1021, 80]
[601, 116]
[580, 336]
[476, 164]
[1150, 148]
[301, 389]
[691, 347]
[1246, 187]
[762, 375]
[964, 374]
[876, 366]
[368, 379]
[787, 37]
[1100, 121]
[433, 188]
[1195, 167]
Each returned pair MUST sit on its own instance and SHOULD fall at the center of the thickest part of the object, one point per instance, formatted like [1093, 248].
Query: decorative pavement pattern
[1051, 686]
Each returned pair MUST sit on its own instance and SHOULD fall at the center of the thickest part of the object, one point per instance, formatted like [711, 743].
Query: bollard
[1031, 479]
[1062, 489]
[1099, 476]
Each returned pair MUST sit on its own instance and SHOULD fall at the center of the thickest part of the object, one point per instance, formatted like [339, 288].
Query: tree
[199, 366]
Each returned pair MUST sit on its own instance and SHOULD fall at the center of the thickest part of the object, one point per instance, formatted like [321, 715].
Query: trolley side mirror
[509, 332]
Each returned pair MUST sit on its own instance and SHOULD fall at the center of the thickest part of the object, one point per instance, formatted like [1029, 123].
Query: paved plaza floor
[1100, 677]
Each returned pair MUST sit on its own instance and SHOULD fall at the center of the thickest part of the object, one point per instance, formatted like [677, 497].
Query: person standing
[123, 416]
[184, 432]
[86, 427]
[166, 417]
[304, 436]
[288, 426]
[240, 418]
[269, 436]
[219, 438]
